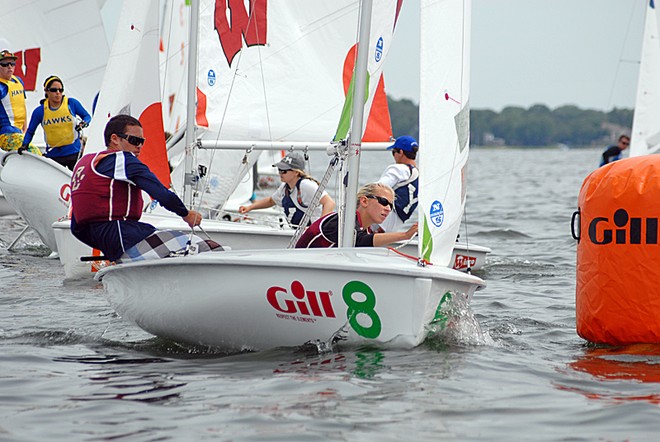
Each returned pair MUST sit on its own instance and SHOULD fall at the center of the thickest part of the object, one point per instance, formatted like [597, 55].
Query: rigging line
[263, 78]
[167, 49]
[618, 65]
[316, 199]
[247, 159]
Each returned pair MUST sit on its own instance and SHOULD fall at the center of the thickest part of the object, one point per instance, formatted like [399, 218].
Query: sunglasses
[7, 64]
[132, 139]
[282, 171]
[382, 201]
[55, 89]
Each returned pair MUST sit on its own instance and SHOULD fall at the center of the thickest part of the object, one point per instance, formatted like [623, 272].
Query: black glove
[81, 125]
[21, 149]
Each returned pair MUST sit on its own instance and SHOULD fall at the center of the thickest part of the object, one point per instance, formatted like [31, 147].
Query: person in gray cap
[295, 193]
[403, 177]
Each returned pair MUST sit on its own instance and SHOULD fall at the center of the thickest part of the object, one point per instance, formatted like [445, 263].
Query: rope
[315, 202]
[421, 261]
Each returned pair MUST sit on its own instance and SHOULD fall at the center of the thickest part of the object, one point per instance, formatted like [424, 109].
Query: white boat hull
[39, 191]
[251, 300]
[5, 207]
[237, 236]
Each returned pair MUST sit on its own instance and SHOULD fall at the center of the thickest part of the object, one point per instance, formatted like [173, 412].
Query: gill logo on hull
[308, 303]
[304, 302]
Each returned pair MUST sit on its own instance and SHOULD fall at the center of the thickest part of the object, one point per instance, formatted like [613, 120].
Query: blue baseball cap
[406, 143]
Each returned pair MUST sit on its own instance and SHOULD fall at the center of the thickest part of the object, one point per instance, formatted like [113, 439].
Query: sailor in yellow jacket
[58, 115]
[13, 113]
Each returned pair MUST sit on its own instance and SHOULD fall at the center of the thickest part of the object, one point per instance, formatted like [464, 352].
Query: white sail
[444, 124]
[173, 63]
[131, 84]
[56, 37]
[278, 72]
[645, 137]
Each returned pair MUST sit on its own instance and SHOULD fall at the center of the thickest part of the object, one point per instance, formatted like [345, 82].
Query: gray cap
[291, 161]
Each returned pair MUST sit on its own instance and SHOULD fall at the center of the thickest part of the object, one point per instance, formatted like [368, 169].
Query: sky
[525, 52]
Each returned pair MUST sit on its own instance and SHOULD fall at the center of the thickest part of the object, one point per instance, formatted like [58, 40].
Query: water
[70, 369]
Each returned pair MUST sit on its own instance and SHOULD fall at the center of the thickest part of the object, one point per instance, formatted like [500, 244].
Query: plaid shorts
[165, 243]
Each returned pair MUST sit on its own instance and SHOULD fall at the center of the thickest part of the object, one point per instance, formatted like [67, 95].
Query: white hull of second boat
[5, 207]
[243, 300]
[237, 236]
[38, 189]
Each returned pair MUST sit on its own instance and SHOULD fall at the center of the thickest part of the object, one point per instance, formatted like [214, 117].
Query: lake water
[70, 369]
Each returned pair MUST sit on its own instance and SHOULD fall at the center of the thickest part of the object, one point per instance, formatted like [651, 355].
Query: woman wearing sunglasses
[57, 114]
[13, 113]
[375, 201]
[295, 194]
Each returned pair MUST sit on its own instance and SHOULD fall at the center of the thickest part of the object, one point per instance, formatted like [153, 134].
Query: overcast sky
[524, 52]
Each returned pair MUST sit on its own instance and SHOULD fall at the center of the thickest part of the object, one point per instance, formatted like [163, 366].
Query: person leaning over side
[57, 114]
[295, 194]
[13, 112]
[403, 178]
[613, 153]
[374, 202]
[106, 198]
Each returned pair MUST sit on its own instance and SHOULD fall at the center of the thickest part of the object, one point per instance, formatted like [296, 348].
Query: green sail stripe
[427, 240]
[347, 111]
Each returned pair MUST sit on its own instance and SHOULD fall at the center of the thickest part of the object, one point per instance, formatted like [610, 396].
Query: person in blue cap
[403, 177]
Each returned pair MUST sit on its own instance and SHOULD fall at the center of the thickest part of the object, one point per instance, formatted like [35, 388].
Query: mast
[351, 177]
[192, 103]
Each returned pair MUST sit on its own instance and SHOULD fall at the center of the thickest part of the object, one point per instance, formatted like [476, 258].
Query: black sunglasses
[55, 89]
[132, 139]
[282, 170]
[7, 64]
[382, 201]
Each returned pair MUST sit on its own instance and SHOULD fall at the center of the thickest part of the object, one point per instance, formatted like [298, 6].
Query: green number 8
[365, 307]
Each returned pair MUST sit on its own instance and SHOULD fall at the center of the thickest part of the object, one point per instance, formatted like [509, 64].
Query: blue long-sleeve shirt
[115, 237]
[37, 117]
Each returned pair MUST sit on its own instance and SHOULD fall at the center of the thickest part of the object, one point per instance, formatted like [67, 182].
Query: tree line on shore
[535, 127]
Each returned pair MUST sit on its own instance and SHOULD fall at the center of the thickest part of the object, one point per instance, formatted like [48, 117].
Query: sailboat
[645, 136]
[38, 188]
[250, 126]
[260, 299]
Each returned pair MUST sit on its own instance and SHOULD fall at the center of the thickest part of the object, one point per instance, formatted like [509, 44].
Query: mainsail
[131, 84]
[645, 137]
[56, 37]
[276, 72]
[444, 125]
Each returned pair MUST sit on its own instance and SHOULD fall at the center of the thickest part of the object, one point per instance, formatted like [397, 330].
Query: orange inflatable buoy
[617, 299]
